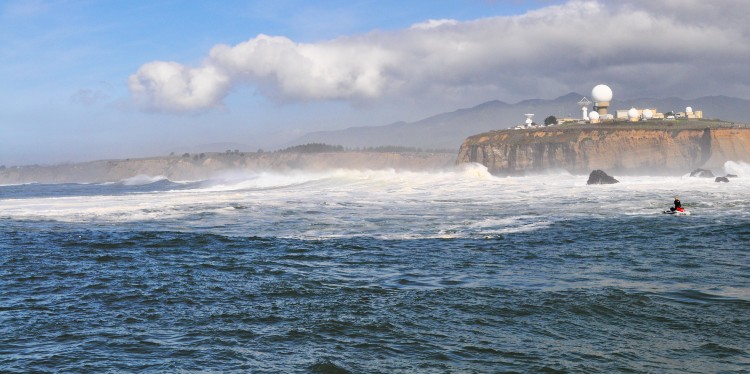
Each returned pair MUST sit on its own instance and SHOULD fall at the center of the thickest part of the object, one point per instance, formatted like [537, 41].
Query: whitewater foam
[464, 202]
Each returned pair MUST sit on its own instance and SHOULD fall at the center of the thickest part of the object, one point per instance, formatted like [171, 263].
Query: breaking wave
[740, 169]
[142, 179]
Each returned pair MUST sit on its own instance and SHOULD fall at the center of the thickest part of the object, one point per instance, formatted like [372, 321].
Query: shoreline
[205, 165]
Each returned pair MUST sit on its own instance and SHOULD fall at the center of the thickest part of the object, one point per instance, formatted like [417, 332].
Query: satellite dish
[529, 119]
[689, 109]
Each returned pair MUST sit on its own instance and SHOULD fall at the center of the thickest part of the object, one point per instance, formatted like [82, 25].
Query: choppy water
[376, 272]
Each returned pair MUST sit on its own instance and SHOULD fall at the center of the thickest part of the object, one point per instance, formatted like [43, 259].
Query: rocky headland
[655, 148]
[207, 165]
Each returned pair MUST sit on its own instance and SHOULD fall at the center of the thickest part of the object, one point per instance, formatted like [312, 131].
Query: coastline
[205, 165]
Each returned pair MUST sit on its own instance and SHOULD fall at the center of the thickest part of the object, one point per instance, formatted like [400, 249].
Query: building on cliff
[645, 114]
[602, 97]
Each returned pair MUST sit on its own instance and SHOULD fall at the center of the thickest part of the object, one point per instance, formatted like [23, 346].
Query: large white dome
[602, 93]
[633, 113]
[648, 114]
[594, 116]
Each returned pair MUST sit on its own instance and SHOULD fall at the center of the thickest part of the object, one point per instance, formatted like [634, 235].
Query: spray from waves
[476, 170]
[142, 179]
[740, 169]
[266, 180]
[327, 203]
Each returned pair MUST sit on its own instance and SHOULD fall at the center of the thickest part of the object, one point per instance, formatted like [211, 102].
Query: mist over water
[377, 271]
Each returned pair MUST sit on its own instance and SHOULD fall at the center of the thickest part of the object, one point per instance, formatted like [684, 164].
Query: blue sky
[82, 80]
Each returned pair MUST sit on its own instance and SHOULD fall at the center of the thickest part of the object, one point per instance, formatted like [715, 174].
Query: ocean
[377, 271]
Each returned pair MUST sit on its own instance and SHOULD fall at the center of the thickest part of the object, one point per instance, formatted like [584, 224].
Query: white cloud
[332, 70]
[564, 46]
[434, 23]
[170, 86]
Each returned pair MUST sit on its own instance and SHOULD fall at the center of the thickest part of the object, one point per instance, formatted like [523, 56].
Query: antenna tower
[584, 104]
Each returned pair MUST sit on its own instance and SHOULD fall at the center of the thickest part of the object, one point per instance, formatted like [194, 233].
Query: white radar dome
[594, 116]
[602, 93]
[689, 109]
[648, 114]
[633, 113]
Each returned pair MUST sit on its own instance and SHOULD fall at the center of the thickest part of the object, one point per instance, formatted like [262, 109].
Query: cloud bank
[669, 47]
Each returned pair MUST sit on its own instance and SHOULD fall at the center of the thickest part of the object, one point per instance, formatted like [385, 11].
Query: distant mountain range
[449, 130]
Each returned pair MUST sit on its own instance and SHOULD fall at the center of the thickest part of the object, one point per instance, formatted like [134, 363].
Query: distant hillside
[449, 130]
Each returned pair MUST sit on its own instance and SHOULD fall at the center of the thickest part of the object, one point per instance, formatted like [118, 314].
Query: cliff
[205, 166]
[622, 149]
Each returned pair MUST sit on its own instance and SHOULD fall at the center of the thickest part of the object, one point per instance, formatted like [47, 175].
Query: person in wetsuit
[677, 205]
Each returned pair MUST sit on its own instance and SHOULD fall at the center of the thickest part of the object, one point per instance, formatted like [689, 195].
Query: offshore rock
[600, 177]
[721, 179]
[702, 173]
[621, 149]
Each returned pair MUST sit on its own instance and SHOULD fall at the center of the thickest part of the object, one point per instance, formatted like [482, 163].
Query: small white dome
[594, 116]
[633, 113]
[689, 109]
[648, 114]
[602, 93]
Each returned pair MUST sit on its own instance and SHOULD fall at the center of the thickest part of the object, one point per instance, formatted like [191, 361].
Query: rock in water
[702, 173]
[721, 179]
[600, 177]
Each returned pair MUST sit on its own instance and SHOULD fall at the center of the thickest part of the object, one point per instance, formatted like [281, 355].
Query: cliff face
[619, 150]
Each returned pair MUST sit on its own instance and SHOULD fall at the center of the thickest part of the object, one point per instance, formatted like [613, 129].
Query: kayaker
[677, 205]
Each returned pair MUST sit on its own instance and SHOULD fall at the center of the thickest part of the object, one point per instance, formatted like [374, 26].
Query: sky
[94, 79]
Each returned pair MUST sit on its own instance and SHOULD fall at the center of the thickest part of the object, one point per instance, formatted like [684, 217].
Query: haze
[86, 80]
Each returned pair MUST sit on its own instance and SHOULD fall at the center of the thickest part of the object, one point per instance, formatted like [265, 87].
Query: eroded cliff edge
[621, 149]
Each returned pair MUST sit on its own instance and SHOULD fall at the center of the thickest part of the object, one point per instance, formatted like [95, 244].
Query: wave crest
[142, 179]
